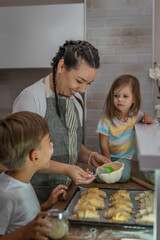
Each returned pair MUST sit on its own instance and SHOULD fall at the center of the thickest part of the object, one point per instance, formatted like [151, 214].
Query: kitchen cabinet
[31, 35]
[148, 143]
[7, 3]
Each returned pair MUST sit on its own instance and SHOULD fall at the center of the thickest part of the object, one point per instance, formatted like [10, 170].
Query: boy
[25, 148]
[33, 230]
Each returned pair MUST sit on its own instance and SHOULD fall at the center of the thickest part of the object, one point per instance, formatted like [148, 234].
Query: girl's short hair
[20, 133]
[121, 81]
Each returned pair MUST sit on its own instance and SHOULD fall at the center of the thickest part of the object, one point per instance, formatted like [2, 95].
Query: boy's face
[45, 152]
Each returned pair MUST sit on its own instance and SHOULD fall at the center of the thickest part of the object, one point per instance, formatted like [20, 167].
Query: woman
[56, 98]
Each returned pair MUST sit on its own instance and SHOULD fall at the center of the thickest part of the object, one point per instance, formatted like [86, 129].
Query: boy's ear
[34, 156]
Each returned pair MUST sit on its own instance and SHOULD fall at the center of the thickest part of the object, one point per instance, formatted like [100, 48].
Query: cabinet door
[31, 35]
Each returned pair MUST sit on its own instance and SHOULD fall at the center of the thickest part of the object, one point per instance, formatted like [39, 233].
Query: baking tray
[104, 222]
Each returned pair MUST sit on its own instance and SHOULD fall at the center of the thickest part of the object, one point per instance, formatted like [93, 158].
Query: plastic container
[60, 224]
[113, 176]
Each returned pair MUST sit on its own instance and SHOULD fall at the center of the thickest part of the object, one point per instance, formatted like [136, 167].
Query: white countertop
[148, 143]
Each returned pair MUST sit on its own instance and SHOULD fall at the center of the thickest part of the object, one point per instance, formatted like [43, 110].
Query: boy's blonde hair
[20, 133]
[121, 81]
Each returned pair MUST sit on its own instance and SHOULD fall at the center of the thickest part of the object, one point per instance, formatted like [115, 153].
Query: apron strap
[72, 125]
[47, 88]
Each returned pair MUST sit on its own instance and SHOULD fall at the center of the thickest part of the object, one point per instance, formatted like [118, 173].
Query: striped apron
[66, 135]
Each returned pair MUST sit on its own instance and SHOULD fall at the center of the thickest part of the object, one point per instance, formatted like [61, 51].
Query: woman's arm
[74, 172]
[104, 145]
[92, 158]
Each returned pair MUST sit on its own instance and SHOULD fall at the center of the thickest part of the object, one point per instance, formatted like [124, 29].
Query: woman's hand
[147, 119]
[79, 176]
[57, 193]
[97, 159]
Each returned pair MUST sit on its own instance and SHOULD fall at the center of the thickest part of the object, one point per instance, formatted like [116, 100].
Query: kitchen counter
[80, 232]
[148, 142]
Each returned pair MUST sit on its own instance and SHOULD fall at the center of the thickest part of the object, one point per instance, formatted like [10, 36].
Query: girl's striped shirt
[121, 136]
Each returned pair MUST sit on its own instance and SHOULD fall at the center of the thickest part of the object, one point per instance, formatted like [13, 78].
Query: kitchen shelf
[148, 144]
[9, 3]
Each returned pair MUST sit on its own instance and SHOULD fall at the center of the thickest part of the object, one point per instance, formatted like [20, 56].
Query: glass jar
[60, 224]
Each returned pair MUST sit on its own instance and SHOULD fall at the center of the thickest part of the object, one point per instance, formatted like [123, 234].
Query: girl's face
[123, 99]
[70, 82]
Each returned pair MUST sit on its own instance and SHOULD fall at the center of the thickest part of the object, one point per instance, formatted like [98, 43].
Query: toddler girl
[116, 127]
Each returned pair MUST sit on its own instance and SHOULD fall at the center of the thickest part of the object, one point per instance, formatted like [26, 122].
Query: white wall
[122, 31]
[157, 32]
[30, 35]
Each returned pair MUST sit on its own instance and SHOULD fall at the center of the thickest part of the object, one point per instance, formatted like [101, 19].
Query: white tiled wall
[122, 31]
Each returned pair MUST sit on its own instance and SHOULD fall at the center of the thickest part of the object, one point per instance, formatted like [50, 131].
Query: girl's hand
[147, 119]
[97, 159]
[36, 228]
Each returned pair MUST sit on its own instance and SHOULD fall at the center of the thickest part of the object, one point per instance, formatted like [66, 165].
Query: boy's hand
[147, 119]
[35, 228]
[57, 193]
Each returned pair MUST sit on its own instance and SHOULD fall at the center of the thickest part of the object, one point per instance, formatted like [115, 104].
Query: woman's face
[76, 80]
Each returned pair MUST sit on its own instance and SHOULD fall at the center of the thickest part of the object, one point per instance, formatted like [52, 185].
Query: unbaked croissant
[123, 207]
[120, 217]
[145, 194]
[96, 191]
[145, 214]
[120, 193]
[92, 195]
[113, 211]
[146, 219]
[83, 206]
[97, 202]
[121, 200]
[89, 199]
[86, 214]
[102, 194]
[144, 211]
[146, 204]
[93, 190]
